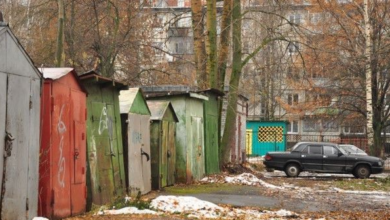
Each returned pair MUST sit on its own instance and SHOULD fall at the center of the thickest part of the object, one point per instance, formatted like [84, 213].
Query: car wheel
[362, 172]
[292, 170]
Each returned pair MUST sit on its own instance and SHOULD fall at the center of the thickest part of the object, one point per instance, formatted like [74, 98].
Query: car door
[311, 157]
[332, 161]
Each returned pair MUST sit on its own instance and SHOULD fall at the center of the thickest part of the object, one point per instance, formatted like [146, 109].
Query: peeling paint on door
[105, 174]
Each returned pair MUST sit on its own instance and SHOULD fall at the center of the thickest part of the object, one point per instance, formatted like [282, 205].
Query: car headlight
[380, 163]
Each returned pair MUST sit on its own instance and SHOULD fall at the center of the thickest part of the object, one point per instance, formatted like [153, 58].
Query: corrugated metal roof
[93, 75]
[5, 28]
[126, 99]
[55, 73]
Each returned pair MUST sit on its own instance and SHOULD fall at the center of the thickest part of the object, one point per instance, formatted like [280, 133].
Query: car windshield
[342, 150]
[352, 149]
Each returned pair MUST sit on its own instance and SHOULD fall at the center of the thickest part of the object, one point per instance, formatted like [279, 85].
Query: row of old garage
[73, 141]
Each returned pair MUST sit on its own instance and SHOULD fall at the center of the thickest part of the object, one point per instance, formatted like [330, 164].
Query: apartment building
[278, 83]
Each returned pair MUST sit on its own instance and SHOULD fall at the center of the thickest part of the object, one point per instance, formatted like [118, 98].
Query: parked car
[324, 158]
[352, 149]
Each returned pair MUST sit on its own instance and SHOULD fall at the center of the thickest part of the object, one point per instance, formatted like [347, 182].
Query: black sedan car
[322, 157]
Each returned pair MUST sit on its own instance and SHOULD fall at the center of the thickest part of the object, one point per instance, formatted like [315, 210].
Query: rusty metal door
[78, 154]
[171, 154]
[61, 140]
[20, 117]
[197, 150]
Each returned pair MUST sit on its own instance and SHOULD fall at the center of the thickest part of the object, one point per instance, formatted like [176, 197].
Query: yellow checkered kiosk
[264, 136]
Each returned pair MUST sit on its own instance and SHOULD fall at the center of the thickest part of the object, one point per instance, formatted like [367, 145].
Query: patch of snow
[174, 204]
[196, 208]
[283, 213]
[362, 192]
[127, 210]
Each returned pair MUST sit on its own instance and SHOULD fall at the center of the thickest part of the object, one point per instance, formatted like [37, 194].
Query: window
[295, 19]
[304, 151]
[180, 3]
[315, 149]
[179, 48]
[344, 1]
[293, 72]
[315, 18]
[292, 127]
[330, 126]
[157, 46]
[292, 99]
[330, 150]
[293, 47]
[311, 125]
[350, 129]
[318, 99]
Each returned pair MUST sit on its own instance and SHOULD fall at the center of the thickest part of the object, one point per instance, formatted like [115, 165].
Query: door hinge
[26, 204]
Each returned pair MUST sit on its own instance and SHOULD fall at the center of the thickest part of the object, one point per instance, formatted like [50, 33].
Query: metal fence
[358, 141]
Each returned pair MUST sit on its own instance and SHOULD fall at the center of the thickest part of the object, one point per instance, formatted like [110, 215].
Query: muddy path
[310, 192]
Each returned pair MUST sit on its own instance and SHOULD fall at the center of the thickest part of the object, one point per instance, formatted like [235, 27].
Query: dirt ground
[311, 196]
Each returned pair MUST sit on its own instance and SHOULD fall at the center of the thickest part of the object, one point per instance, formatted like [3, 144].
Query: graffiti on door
[136, 137]
[93, 161]
[61, 129]
[106, 123]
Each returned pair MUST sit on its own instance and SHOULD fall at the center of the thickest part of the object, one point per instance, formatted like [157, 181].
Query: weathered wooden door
[197, 159]
[134, 155]
[211, 151]
[145, 154]
[19, 117]
[171, 154]
[168, 154]
[164, 154]
[139, 154]
[101, 152]
[115, 150]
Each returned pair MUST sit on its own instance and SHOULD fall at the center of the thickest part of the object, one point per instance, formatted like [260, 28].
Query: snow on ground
[175, 204]
[244, 178]
[127, 210]
[252, 180]
[196, 208]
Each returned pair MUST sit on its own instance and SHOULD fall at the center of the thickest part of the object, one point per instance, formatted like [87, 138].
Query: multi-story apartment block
[279, 83]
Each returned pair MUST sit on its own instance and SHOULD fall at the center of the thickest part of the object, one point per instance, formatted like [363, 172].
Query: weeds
[137, 202]
[381, 184]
